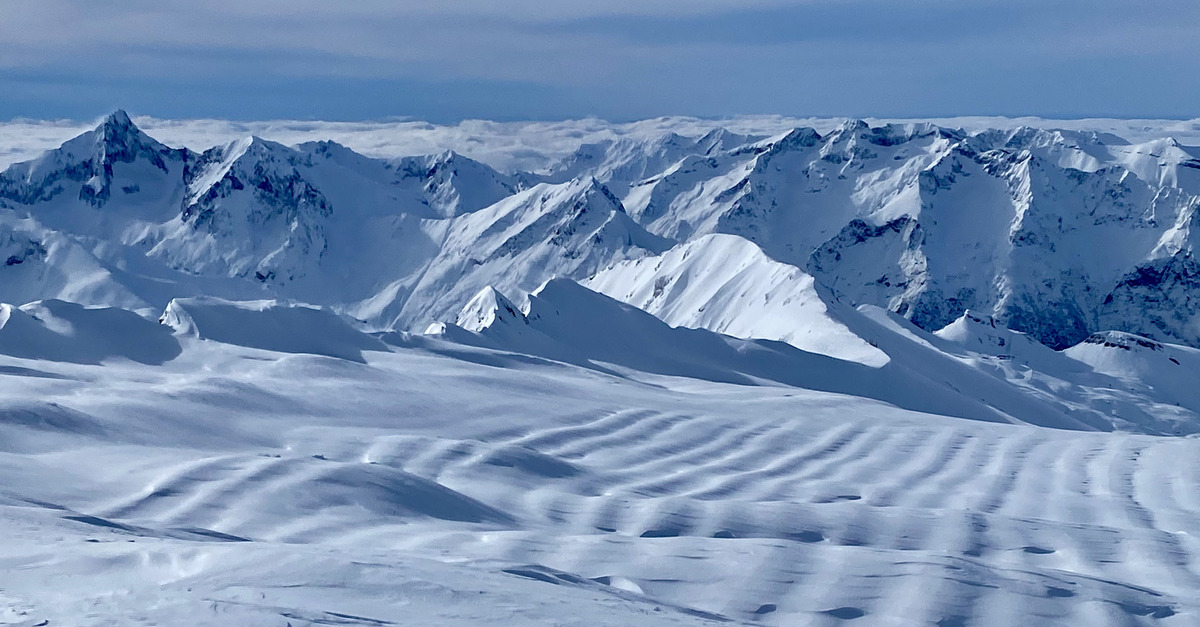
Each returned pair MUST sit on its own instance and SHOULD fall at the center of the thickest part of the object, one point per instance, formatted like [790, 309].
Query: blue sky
[445, 60]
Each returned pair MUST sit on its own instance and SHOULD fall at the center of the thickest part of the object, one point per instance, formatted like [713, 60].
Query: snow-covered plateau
[923, 373]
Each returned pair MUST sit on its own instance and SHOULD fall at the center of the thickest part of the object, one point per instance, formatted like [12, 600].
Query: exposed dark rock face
[1160, 300]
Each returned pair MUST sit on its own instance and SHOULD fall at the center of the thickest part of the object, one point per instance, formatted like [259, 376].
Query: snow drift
[56, 330]
[269, 325]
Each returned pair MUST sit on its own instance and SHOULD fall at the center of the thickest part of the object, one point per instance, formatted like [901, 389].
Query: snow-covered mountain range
[690, 376]
[1053, 233]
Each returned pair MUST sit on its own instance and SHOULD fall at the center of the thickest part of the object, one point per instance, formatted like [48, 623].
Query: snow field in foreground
[440, 483]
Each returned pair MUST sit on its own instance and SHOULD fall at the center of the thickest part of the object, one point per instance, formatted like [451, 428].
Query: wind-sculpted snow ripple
[1008, 539]
[823, 520]
[769, 503]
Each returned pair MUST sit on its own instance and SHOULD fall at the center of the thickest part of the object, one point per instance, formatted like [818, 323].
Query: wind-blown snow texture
[899, 374]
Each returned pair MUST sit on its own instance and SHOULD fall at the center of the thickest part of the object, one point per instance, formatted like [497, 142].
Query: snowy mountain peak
[265, 167]
[850, 128]
[593, 188]
[797, 139]
[446, 157]
[586, 216]
[118, 140]
[117, 129]
[453, 184]
[90, 160]
[488, 308]
[118, 118]
[983, 334]
[248, 212]
[720, 140]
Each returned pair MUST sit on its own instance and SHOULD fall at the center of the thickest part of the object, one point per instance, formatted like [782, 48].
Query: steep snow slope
[726, 284]
[43, 263]
[564, 321]
[571, 229]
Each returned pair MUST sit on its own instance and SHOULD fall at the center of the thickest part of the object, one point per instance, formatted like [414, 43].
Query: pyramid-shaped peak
[120, 139]
[673, 139]
[716, 133]
[801, 137]
[250, 147]
[714, 137]
[255, 141]
[89, 157]
[853, 125]
[487, 308]
[118, 118]
[797, 139]
[117, 127]
[593, 189]
[445, 162]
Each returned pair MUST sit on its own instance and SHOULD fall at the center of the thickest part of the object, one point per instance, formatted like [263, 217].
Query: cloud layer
[513, 146]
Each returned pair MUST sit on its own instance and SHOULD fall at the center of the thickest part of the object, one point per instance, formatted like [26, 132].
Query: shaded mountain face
[88, 167]
[1051, 233]
[317, 222]
[1055, 234]
[572, 230]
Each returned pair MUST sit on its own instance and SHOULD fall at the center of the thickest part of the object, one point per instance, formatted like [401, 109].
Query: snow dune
[268, 325]
[61, 331]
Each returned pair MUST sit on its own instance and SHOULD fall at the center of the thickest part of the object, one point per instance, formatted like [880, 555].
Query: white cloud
[512, 145]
